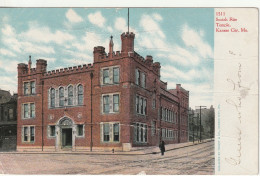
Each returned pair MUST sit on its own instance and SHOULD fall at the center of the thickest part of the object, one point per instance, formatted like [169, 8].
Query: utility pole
[200, 118]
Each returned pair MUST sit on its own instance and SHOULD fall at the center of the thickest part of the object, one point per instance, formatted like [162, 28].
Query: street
[197, 159]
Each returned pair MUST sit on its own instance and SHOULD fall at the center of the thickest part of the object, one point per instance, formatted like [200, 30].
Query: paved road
[198, 159]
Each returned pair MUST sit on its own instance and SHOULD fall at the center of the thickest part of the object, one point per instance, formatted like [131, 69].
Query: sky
[181, 39]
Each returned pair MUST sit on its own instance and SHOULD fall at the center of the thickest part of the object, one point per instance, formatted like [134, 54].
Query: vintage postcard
[130, 91]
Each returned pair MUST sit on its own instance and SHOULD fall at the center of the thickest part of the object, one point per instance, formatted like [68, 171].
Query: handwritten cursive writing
[236, 102]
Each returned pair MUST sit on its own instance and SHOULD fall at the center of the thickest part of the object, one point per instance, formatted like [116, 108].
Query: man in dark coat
[162, 147]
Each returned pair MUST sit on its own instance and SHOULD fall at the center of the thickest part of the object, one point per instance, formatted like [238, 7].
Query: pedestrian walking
[162, 147]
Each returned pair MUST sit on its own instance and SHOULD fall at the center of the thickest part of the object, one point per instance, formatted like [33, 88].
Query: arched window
[61, 96]
[52, 97]
[70, 95]
[80, 94]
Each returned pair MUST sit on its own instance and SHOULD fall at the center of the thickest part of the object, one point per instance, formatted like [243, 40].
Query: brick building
[8, 123]
[118, 102]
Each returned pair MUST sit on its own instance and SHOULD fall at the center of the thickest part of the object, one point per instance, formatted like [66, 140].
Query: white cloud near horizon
[97, 19]
[73, 17]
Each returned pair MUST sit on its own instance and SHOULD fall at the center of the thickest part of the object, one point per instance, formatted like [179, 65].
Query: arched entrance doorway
[65, 130]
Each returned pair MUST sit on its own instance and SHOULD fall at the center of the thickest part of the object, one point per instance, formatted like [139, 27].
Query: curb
[104, 153]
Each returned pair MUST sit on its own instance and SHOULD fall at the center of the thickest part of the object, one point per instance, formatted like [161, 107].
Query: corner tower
[127, 40]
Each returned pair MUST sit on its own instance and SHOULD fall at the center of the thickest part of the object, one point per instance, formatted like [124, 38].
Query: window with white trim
[110, 103]
[140, 78]
[106, 79]
[28, 134]
[52, 132]
[167, 134]
[110, 75]
[115, 75]
[80, 130]
[141, 105]
[29, 88]
[140, 132]
[28, 110]
[110, 132]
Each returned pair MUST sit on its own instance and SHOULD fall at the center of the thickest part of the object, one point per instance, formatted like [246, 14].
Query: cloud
[8, 30]
[8, 83]
[193, 74]
[193, 39]
[110, 29]
[11, 67]
[120, 24]
[151, 26]
[7, 52]
[97, 19]
[89, 41]
[48, 59]
[73, 17]
[43, 34]
[157, 17]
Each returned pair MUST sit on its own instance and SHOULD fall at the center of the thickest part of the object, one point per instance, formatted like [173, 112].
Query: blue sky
[181, 39]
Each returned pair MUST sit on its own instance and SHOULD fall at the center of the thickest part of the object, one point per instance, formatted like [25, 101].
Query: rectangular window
[52, 131]
[116, 132]
[32, 110]
[143, 80]
[116, 75]
[142, 132]
[28, 133]
[26, 88]
[106, 79]
[26, 111]
[137, 132]
[137, 104]
[25, 134]
[32, 84]
[145, 107]
[106, 132]
[116, 103]
[106, 104]
[80, 130]
[145, 133]
[137, 76]
[142, 110]
[32, 134]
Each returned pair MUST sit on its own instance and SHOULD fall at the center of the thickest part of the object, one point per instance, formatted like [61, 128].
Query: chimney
[41, 66]
[127, 43]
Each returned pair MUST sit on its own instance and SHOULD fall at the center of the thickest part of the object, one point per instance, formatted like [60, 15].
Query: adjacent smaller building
[8, 120]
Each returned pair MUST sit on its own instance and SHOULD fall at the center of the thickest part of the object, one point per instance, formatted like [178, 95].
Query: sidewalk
[134, 151]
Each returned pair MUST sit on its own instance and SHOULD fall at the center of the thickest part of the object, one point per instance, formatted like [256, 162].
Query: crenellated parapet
[69, 70]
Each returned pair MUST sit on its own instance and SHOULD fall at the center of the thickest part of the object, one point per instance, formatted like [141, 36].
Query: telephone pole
[200, 118]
